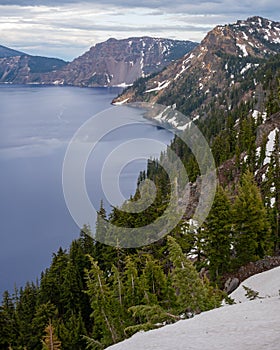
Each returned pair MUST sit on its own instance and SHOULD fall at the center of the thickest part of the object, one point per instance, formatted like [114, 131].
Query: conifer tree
[133, 290]
[25, 312]
[251, 226]
[8, 326]
[50, 340]
[153, 281]
[271, 192]
[217, 235]
[193, 295]
[105, 328]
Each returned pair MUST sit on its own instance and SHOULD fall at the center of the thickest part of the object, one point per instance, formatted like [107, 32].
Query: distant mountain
[209, 77]
[121, 62]
[110, 63]
[20, 68]
[7, 52]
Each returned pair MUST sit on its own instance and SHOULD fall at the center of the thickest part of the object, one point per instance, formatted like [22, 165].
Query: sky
[68, 28]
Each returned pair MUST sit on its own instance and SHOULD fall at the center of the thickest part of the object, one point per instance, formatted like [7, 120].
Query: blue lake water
[36, 125]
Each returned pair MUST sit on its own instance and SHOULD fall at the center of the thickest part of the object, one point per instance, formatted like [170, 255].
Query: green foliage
[250, 293]
[218, 236]
[193, 294]
[50, 340]
[39, 64]
[251, 226]
[96, 295]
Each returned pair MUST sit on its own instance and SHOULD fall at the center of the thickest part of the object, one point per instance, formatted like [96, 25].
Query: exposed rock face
[111, 63]
[219, 64]
[121, 62]
[24, 69]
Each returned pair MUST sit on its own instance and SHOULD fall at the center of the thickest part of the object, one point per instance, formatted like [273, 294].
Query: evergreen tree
[217, 235]
[8, 325]
[25, 312]
[271, 192]
[193, 294]
[71, 333]
[251, 226]
[50, 340]
[105, 327]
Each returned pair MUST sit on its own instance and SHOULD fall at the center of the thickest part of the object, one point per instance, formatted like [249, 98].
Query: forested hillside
[94, 295]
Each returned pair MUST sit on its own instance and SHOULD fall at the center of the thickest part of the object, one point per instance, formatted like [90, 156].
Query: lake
[36, 126]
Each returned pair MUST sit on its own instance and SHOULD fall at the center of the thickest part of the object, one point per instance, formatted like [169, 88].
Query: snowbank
[247, 325]
[267, 284]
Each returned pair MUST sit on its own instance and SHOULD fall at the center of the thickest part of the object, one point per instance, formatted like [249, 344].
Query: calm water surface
[36, 125]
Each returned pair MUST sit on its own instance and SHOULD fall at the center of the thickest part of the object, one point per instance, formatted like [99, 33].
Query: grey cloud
[240, 9]
[116, 3]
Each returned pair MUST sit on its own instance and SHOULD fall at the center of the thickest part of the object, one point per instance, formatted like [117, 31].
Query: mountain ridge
[7, 52]
[212, 71]
[110, 63]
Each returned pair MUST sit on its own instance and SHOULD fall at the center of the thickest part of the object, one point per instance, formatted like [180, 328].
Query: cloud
[190, 6]
[66, 28]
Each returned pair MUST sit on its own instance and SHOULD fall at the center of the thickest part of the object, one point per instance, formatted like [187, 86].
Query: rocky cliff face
[213, 70]
[24, 69]
[111, 63]
[121, 62]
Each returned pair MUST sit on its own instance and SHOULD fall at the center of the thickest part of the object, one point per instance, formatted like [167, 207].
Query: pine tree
[133, 290]
[8, 325]
[25, 312]
[103, 305]
[44, 313]
[71, 332]
[153, 282]
[217, 235]
[193, 294]
[251, 226]
[50, 340]
[271, 192]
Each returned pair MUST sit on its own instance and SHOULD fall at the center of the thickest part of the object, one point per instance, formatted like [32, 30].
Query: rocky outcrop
[110, 63]
[25, 69]
[121, 62]
[212, 72]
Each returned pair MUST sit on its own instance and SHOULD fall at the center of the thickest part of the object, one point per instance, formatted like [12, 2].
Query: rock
[231, 284]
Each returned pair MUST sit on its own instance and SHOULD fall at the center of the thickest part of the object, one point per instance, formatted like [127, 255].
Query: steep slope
[213, 71]
[121, 62]
[7, 52]
[244, 326]
[24, 69]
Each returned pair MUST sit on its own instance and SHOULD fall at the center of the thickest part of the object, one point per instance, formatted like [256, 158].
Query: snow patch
[185, 65]
[242, 47]
[270, 145]
[244, 69]
[267, 284]
[161, 85]
[250, 325]
[118, 103]
[122, 85]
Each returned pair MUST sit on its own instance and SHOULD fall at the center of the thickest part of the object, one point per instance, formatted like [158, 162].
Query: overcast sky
[67, 28]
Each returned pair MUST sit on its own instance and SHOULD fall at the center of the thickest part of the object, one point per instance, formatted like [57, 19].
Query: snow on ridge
[250, 325]
[185, 65]
[242, 47]
[270, 145]
[161, 85]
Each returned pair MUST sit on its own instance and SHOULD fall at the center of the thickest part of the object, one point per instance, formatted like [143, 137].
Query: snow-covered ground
[247, 325]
